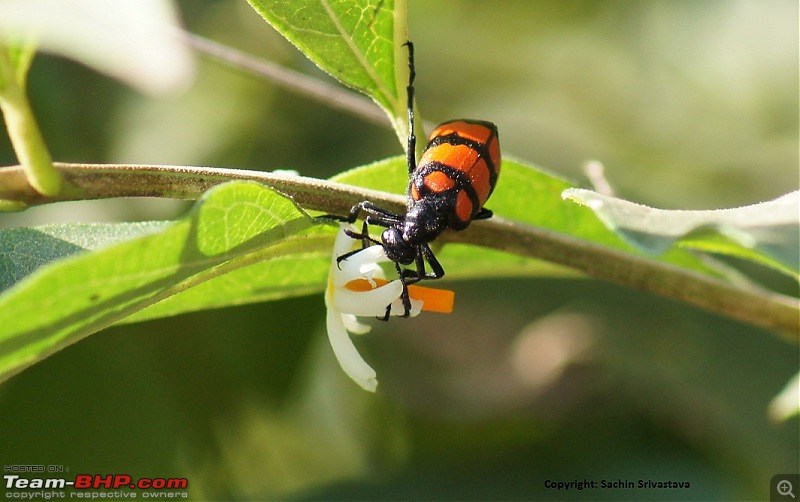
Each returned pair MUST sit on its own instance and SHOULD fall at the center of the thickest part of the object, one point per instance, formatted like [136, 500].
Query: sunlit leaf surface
[59, 303]
[358, 43]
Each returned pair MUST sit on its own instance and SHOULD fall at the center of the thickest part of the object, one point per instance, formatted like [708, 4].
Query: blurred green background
[687, 104]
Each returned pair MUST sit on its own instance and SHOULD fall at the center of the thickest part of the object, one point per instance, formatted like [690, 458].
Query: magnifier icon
[785, 488]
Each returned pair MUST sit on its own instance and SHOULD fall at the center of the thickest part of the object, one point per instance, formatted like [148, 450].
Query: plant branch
[329, 94]
[96, 181]
[105, 181]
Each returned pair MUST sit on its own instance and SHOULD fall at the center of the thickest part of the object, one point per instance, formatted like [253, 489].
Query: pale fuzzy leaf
[768, 233]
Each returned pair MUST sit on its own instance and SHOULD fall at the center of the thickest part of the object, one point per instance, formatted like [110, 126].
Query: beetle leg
[483, 214]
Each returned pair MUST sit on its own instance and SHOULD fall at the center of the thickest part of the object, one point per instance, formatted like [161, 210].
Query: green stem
[24, 132]
[92, 181]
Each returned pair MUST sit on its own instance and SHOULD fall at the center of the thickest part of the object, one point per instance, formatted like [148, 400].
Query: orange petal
[433, 300]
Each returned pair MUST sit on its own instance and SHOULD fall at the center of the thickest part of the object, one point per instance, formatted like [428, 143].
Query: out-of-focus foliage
[132, 41]
[687, 104]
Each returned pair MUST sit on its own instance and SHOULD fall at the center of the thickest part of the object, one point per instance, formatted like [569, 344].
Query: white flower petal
[362, 264]
[349, 359]
[352, 325]
[398, 310]
[344, 304]
[366, 303]
[346, 271]
[372, 254]
[343, 242]
[370, 272]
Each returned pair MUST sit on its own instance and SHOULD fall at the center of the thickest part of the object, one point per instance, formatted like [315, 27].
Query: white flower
[357, 287]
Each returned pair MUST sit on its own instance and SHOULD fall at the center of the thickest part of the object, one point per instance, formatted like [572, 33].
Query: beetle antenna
[411, 147]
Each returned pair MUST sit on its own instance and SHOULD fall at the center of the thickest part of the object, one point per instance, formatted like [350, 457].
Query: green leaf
[357, 42]
[767, 233]
[233, 225]
[23, 250]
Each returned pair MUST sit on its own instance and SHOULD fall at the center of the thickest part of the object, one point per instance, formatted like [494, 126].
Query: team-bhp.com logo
[157, 486]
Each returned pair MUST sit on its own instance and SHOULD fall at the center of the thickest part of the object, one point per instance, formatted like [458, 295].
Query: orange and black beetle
[447, 189]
